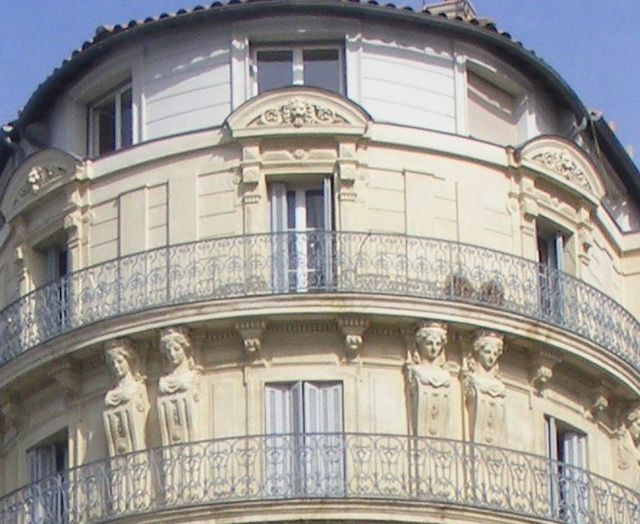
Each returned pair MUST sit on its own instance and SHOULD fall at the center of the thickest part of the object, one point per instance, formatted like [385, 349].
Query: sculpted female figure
[178, 389]
[428, 382]
[629, 447]
[484, 390]
[126, 403]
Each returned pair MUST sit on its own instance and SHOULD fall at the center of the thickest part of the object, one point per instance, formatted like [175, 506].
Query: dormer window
[310, 65]
[111, 122]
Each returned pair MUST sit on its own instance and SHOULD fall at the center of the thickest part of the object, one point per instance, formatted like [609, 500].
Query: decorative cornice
[561, 163]
[299, 113]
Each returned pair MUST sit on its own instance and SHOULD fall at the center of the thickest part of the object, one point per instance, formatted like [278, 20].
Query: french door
[566, 449]
[301, 217]
[305, 443]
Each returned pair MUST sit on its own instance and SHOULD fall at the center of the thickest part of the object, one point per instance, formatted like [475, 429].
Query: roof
[480, 30]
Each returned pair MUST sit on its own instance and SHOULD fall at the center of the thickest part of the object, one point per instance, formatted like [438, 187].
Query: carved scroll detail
[299, 113]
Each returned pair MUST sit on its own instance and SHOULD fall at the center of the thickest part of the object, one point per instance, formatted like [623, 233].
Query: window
[111, 122]
[53, 297]
[315, 66]
[566, 449]
[492, 111]
[550, 244]
[302, 217]
[47, 464]
[305, 451]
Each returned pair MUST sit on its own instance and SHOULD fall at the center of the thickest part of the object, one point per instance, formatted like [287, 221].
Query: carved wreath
[298, 113]
[564, 165]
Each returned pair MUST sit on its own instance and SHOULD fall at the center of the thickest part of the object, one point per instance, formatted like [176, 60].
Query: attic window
[492, 111]
[111, 121]
[315, 66]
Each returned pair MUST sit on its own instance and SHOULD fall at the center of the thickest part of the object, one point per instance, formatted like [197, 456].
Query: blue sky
[593, 44]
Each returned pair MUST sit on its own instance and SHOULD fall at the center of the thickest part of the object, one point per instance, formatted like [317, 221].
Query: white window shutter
[278, 409]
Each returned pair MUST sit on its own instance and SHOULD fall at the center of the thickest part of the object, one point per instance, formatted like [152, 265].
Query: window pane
[105, 116]
[126, 119]
[322, 69]
[275, 69]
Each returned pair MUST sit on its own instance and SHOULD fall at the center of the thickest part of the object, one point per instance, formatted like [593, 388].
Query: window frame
[297, 65]
[565, 476]
[93, 126]
[308, 263]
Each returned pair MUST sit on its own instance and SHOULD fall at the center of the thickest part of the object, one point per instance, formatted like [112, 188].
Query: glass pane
[105, 117]
[275, 69]
[322, 69]
[126, 119]
[315, 209]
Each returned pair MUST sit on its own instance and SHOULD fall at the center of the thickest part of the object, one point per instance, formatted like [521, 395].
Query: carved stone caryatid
[178, 390]
[629, 447]
[126, 403]
[428, 383]
[485, 392]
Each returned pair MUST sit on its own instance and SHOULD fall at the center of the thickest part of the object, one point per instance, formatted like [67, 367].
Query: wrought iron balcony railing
[314, 262]
[324, 466]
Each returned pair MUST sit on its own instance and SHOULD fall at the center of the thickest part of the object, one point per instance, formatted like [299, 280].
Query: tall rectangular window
[111, 122]
[314, 65]
[550, 245]
[566, 449]
[302, 218]
[304, 424]
[53, 297]
[47, 464]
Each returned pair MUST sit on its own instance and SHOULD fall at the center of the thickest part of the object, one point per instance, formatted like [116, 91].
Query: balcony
[313, 262]
[333, 467]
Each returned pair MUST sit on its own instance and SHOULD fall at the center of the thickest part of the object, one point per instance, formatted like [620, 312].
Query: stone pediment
[297, 111]
[564, 162]
[38, 175]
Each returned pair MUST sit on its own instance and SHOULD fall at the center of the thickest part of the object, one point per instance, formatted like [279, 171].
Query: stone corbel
[542, 370]
[585, 235]
[11, 414]
[600, 399]
[353, 328]
[528, 199]
[346, 170]
[251, 332]
[67, 376]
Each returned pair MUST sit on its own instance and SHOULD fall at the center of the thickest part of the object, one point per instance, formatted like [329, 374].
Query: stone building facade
[316, 260]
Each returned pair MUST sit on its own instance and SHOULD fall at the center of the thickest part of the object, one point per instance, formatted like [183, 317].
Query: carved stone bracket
[353, 328]
[251, 332]
[11, 413]
[543, 363]
[67, 375]
[600, 399]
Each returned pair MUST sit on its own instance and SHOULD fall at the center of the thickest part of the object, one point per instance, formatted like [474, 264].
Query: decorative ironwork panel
[309, 262]
[324, 466]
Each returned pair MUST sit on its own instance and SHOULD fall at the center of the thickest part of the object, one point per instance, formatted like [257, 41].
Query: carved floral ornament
[37, 178]
[299, 113]
[561, 163]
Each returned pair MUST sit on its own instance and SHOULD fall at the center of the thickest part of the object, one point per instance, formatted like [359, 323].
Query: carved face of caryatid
[487, 349]
[176, 347]
[633, 425]
[430, 340]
